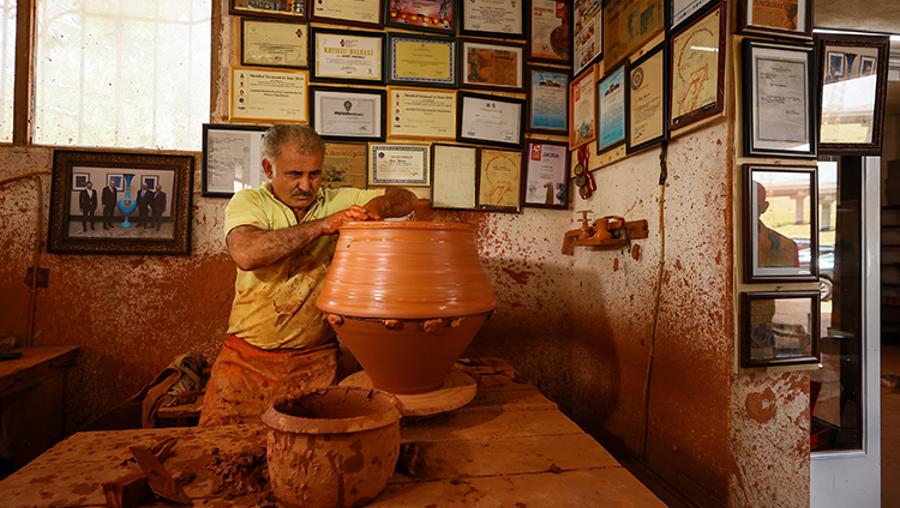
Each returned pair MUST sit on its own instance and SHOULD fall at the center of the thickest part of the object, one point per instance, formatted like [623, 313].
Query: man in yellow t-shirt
[282, 238]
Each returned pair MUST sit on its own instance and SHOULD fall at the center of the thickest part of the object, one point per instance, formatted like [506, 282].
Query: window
[122, 74]
[7, 67]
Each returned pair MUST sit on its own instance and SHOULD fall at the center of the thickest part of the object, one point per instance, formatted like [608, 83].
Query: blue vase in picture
[126, 203]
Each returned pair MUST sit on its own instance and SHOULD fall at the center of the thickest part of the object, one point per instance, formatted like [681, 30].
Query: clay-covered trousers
[245, 380]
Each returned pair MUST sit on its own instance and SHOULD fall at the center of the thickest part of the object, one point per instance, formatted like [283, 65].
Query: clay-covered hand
[422, 211]
[332, 223]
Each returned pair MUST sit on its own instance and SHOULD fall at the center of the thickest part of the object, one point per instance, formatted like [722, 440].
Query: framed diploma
[682, 11]
[612, 102]
[427, 15]
[269, 96]
[405, 165]
[232, 159]
[349, 114]
[490, 120]
[348, 12]
[294, 10]
[274, 44]
[546, 175]
[697, 70]
[622, 35]
[492, 66]
[550, 31]
[421, 113]
[778, 99]
[499, 180]
[647, 97]
[345, 164]
[793, 18]
[493, 18]
[347, 56]
[852, 83]
[582, 108]
[548, 100]
[453, 170]
[418, 60]
[587, 42]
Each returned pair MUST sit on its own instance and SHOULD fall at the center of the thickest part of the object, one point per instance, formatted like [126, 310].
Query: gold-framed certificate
[421, 113]
[344, 164]
[341, 55]
[499, 180]
[404, 165]
[274, 44]
[493, 18]
[270, 96]
[419, 60]
[348, 12]
[453, 170]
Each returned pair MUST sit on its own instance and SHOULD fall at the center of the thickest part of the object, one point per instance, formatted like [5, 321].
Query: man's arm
[397, 202]
[252, 248]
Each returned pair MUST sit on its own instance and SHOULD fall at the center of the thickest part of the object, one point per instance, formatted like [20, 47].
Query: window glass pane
[7, 67]
[122, 74]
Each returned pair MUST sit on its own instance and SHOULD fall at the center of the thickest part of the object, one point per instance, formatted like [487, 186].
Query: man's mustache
[302, 194]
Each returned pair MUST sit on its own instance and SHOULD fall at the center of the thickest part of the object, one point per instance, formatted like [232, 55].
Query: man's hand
[332, 223]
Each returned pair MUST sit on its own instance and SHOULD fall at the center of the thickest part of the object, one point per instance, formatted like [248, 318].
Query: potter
[282, 236]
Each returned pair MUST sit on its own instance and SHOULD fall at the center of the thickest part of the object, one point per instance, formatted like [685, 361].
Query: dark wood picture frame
[323, 79]
[752, 273]
[612, 55]
[626, 98]
[883, 46]
[698, 12]
[493, 208]
[389, 20]
[461, 96]
[338, 21]
[181, 169]
[350, 91]
[630, 148]
[569, 38]
[744, 26]
[709, 109]
[576, 68]
[204, 171]
[748, 98]
[463, 69]
[492, 34]
[746, 330]
[299, 26]
[566, 181]
[235, 10]
[389, 60]
[474, 183]
[564, 131]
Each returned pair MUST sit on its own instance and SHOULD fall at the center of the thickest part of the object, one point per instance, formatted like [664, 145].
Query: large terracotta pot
[332, 447]
[406, 298]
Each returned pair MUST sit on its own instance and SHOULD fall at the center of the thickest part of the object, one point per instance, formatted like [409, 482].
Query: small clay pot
[332, 447]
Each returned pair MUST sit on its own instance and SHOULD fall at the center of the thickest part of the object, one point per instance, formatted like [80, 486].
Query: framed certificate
[421, 113]
[232, 159]
[345, 164]
[490, 120]
[418, 60]
[269, 96]
[681, 11]
[427, 15]
[587, 42]
[612, 103]
[499, 180]
[348, 12]
[274, 44]
[550, 31]
[697, 70]
[404, 165]
[647, 97]
[582, 108]
[349, 114]
[492, 66]
[622, 35]
[493, 18]
[341, 55]
[453, 170]
[792, 18]
[546, 175]
[294, 10]
[548, 100]
[779, 99]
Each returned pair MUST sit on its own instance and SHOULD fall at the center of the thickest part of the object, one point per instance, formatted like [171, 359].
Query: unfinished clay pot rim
[426, 225]
[305, 425]
[447, 319]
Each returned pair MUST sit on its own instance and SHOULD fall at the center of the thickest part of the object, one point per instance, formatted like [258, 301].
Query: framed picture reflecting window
[779, 328]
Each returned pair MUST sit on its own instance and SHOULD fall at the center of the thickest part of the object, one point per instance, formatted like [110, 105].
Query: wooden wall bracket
[607, 232]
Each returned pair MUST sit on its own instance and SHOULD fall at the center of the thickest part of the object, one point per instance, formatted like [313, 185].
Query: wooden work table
[510, 447]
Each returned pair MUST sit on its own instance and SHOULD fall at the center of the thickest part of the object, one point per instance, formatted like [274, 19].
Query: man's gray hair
[306, 140]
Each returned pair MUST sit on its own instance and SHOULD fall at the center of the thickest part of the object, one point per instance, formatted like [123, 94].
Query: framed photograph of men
[116, 211]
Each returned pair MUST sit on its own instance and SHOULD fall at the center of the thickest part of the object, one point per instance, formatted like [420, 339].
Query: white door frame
[853, 478]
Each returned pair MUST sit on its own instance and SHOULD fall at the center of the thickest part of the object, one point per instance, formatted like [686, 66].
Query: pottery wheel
[459, 389]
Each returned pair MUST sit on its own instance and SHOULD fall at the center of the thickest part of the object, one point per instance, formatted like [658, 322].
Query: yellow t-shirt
[274, 306]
